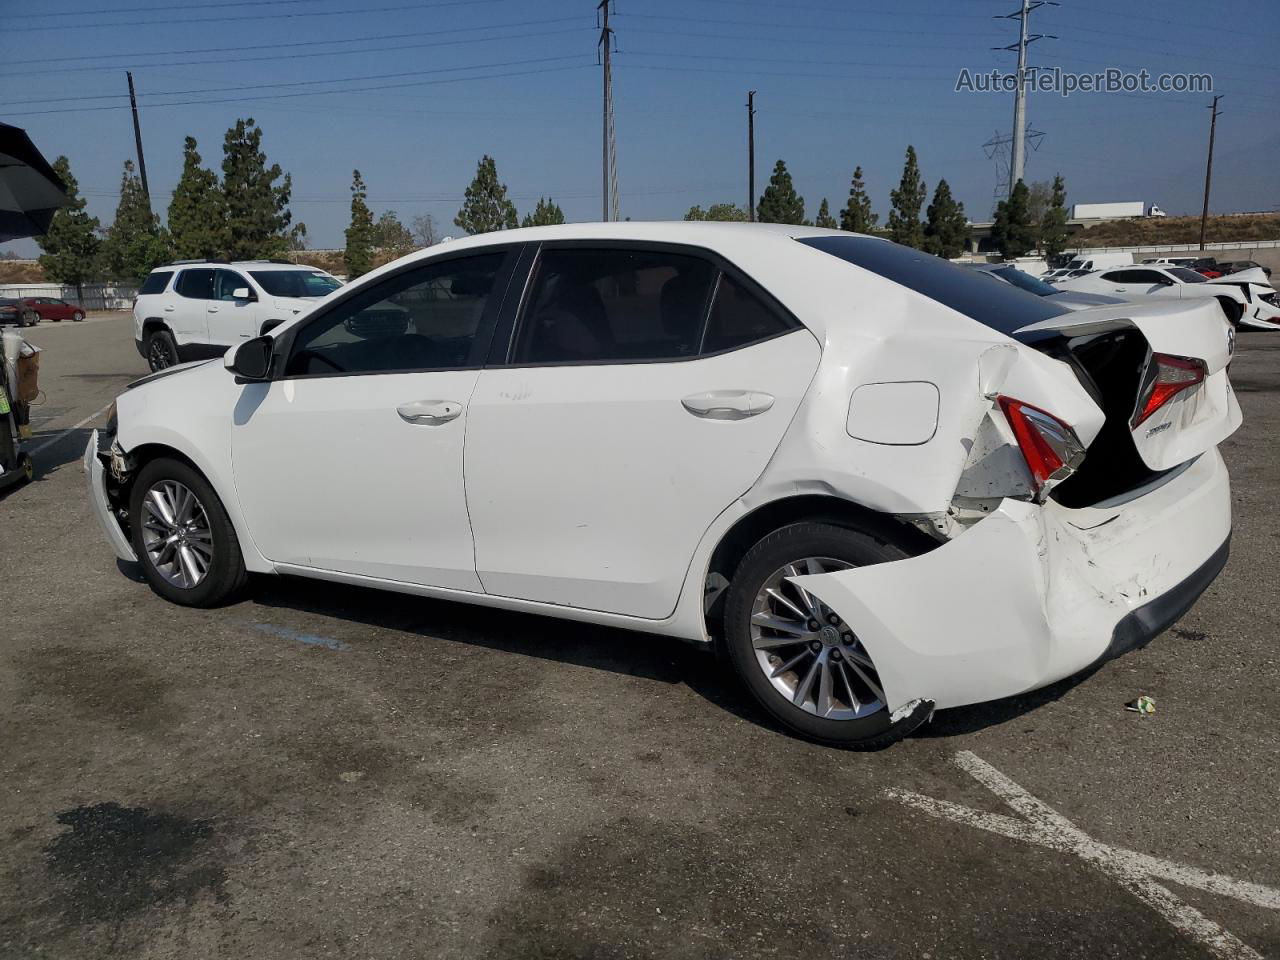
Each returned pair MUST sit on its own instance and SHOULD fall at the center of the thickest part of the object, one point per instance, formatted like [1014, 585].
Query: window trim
[282, 346]
[501, 354]
[246, 283]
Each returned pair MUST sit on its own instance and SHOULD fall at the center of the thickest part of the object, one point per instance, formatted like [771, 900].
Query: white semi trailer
[1115, 211]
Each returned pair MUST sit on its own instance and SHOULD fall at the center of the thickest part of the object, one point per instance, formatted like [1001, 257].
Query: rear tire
[161, 349]
[837, 547]
[77, 316]
[29, 319]
[203, 566]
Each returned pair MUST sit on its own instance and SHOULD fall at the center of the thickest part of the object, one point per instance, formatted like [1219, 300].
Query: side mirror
[243, 293]
[251, 360]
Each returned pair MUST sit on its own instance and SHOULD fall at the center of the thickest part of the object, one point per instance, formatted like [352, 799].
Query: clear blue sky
[840, 83]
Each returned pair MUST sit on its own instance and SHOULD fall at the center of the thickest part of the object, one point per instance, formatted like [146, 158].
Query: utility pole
[137, 139]
[1018, 156]
[609, 159]
[1208, 167]
[750, 155]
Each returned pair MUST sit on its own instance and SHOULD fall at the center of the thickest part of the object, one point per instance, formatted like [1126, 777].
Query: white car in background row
[196, 309]
[1065, 299]
[1246, 299]
[879, 482]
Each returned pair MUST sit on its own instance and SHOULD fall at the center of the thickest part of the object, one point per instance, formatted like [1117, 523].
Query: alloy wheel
[176, 534]
[158, 356]
[807, 652]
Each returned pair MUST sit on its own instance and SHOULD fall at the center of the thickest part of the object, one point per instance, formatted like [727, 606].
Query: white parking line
[70, 430]
[1046, 827]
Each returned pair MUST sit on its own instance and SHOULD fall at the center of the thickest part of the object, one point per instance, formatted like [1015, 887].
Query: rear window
[1000, 306]
[295, 283]
[155, 282]
[1187, 276]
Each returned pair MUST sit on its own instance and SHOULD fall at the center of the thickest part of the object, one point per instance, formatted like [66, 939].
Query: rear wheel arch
[1232, 308]
[750, 529]
[152, 324]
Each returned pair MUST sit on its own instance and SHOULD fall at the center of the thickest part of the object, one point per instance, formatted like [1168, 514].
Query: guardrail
[1185, 247]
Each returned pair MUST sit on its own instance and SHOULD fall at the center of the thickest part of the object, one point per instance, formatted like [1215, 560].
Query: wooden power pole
[751, 155]
[137, 139]
[1208, 168]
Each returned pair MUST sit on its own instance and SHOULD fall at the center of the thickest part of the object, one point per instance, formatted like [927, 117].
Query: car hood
[167, 372]
[1252, 275]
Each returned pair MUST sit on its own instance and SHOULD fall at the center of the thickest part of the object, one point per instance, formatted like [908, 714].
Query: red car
[48, 308]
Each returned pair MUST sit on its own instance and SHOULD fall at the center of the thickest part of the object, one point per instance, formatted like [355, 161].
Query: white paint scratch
[1136, 872]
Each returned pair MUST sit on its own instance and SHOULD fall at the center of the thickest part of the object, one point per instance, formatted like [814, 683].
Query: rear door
[185, 311]
[644, 390]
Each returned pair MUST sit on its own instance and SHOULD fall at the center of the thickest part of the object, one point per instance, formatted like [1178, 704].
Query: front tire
[183, 537]
[29, 319]
[77, 316]
[799, 660]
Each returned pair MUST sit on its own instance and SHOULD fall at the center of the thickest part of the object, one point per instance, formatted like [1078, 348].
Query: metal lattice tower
[1018, 152]
[999, 149]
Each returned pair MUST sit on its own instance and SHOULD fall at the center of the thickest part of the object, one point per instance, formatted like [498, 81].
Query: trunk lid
[1111, 350]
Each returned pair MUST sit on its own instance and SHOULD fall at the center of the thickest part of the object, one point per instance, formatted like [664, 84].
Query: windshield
[295, 283]
[1000, 306]
[1025, 280]
[1186, 276]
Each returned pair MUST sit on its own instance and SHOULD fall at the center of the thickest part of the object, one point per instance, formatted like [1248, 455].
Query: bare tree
[424, 230]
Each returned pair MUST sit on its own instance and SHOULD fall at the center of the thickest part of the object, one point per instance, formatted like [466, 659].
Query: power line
[777, 24]
[203, 6]
[309, 93]
[265, 16]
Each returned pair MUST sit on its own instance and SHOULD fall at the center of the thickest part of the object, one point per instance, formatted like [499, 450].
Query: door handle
[429, 411]
[168, 308]
[213, 309]
[727, 404]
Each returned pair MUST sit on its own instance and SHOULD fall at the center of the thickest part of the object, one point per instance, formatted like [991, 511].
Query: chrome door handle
[213, 309]
[168, 308]
[727, 404]
[429, 411]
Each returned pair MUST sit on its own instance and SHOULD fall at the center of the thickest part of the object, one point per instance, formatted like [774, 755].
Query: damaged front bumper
[96, 478]
[1034, 593]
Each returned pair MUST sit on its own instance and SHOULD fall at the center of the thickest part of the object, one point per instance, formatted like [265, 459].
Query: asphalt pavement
[323, 771]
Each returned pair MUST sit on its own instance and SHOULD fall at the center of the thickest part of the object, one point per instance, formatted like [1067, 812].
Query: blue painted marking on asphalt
[310, 639]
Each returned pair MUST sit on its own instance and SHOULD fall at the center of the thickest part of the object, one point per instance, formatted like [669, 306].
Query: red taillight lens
[1050, 447]
[1172, 375]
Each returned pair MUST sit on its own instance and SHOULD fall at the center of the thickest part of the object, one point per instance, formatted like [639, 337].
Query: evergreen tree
[1053, 226]
[71, 245]
[728, 212]
[134, 243]
[258, 217]
[546, 213]
[780, 203]
[824, 218]
[1013, 232]
[904, 216]
[856, 215]
[486, 206]
[392, 236]
[946, 229]
[358, 256]
[197, 218]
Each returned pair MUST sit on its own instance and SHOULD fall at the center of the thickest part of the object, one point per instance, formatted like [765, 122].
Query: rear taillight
[1166, 377]
[1050, 447]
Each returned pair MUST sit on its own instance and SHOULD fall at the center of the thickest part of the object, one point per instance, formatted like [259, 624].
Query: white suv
[196, 309]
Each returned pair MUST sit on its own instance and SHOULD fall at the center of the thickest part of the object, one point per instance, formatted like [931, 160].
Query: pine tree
[392, 236]
[134, 244]
[904, 216]
[71, 244]
[197, 217]
[780, 203]
[824, 218]
[1013, 233]
[258, 217]
[725, 212]
[946, 229]
[546, 213]
[1053, 227]
[856, 215]
[358, 256]
[486, 207]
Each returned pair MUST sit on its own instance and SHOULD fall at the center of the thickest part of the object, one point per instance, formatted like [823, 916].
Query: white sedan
[1247, 298]
[879, 483]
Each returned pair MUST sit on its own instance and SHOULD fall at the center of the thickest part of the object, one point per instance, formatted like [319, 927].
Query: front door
[624, 423]
[351, 461]
[186, 314]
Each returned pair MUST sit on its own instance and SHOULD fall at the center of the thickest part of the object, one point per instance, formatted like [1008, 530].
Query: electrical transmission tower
[998, 149]
[609, 182]
[1018, 152]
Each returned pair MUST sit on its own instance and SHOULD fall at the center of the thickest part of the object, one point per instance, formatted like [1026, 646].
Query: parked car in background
[13, 311]
[1244, 303]
[1067, 299]
[879, 482]
[50, 308]
[1229, 267]
[196, 309]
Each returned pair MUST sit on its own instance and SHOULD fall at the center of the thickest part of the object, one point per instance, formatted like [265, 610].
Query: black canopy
[30, 192]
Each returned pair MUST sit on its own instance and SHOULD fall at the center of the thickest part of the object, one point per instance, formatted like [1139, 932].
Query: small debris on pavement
[1143, 705]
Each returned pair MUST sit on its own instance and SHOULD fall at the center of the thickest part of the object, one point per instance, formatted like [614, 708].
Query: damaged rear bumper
[1031, 594]
[95, 477]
